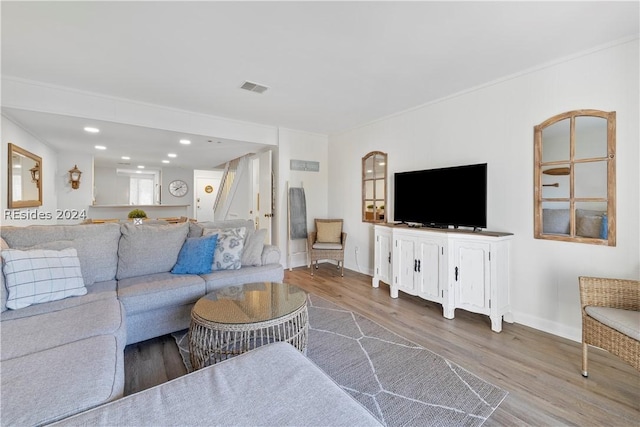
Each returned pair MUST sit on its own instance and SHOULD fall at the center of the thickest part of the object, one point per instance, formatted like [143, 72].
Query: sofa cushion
[224, 278]
[196, 255]
[149, 249]
[196, 228]
[35, 333]
[253, 246]
[143, 293]
[61, 381]
[624, 321]
[99, 291]
[40, 275]
[555, 221]
[97, 245]
[588, 223]
[273, 385]
[228, 254]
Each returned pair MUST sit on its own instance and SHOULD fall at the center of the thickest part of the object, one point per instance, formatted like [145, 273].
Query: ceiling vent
[253, 87]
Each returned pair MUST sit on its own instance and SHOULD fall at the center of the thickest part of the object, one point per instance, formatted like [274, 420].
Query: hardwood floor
[540, 371]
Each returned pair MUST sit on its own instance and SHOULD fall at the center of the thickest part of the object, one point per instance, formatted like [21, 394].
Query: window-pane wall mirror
[374, 186]
[575, 170]
[25, 178]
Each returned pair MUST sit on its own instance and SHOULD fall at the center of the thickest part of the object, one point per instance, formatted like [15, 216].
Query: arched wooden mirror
[575, 170]
[374, 186]
[25, 178]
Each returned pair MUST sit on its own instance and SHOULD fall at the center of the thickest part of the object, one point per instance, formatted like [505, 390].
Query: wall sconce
[74, 177]
[35, 174]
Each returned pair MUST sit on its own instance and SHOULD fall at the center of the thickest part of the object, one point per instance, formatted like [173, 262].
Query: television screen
[441, 197]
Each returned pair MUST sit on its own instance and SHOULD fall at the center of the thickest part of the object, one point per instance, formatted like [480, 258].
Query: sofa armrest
[270, 255]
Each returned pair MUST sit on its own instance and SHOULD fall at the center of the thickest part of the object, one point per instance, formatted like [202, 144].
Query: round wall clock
[178, 188]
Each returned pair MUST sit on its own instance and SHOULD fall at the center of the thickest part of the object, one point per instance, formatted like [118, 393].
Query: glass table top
[250, 303]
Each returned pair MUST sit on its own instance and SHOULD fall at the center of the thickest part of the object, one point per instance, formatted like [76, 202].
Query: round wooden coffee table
[234, 320]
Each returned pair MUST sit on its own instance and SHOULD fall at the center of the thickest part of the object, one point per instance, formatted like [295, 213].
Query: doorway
[207, 184]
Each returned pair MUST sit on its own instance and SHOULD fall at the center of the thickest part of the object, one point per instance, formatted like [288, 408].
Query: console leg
[496, 323]
[393, 292]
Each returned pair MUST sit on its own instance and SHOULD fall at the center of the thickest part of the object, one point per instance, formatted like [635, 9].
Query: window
[575, 178]
[144, 187]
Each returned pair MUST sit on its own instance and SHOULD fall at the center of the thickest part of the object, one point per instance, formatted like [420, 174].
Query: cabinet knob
[456, 274]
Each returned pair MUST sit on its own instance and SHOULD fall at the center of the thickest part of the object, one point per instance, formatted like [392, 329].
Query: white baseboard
[554, 328]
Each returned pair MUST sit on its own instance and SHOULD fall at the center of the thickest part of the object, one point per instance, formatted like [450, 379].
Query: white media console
[456, 268]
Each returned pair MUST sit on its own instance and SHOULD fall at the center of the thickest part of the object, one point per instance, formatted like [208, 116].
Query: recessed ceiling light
[138, 171]
[140, 166]
[91, 129]
[166, 161]
[185, 141]
[125, 158]
[172, 155]
[100, 147]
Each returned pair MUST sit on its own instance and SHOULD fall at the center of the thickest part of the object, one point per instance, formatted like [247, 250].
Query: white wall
[12, 132]
[299, 145]
[186, 175]
[494, 124]
[73, 205]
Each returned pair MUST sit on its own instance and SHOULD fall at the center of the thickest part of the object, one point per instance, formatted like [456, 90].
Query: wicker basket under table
[264, 313]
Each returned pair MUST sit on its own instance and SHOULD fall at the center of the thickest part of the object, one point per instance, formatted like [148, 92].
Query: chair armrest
[311, 239]
[343, 239]
[614, 293]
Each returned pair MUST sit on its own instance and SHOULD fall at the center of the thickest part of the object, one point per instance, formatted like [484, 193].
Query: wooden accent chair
[610, 318]
[327, 242]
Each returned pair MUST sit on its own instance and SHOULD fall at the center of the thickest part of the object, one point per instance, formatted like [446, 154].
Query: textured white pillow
[41, 275]
[228, 254]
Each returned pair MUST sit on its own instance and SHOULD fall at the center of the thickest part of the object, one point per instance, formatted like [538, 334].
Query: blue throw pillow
[196, 255]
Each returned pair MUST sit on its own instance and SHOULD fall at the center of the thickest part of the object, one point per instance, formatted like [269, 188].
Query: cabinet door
[406, 266]
[383, 256]
[429, 268]
[471, 276]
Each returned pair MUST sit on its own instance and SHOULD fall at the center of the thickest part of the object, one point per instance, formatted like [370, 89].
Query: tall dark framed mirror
[25, 178]
[574, 177]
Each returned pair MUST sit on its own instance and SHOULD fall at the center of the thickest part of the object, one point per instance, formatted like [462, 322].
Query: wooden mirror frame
[567, 167]
[373, 208]
[15, 204]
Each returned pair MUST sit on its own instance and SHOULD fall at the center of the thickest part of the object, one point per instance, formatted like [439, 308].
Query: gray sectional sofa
[64, 356]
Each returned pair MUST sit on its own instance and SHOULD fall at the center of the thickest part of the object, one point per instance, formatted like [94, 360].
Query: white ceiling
[330, 66]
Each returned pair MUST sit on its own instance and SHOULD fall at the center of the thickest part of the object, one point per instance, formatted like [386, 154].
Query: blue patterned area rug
[400, 382]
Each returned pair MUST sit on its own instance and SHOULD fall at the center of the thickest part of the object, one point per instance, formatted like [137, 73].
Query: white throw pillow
[228, 254]
[41, 275]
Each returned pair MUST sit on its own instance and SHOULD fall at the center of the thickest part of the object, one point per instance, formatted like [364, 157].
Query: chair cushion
[322, 246]
[40, 275]
[624, 321]
[329, 231]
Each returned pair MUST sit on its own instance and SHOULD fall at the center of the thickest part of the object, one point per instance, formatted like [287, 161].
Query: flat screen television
[453, 196]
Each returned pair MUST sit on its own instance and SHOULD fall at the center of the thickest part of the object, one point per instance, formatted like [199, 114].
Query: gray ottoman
[272, 385]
